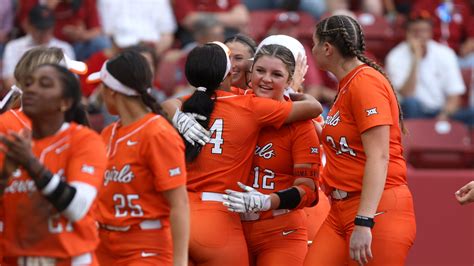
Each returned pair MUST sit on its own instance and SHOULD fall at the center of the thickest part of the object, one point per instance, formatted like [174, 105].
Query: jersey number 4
[216, 136]
[124, 205]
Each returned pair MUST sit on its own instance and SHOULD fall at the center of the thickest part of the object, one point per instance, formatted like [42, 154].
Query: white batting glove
[246, 202]
[191, 130]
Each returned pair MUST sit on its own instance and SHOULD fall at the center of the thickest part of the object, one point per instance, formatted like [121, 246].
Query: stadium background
[439, 162]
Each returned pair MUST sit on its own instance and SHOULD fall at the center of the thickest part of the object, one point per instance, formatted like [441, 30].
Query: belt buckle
[339, 194]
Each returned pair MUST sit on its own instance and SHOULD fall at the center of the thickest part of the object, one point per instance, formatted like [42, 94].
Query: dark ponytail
[72, 89]
[346, 34]
[133, 71]
[205, 67]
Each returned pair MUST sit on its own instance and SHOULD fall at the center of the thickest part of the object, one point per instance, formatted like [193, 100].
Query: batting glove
[246, 202]
[189, 128]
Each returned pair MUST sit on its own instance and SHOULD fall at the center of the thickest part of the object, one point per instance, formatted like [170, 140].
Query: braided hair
[346, 34]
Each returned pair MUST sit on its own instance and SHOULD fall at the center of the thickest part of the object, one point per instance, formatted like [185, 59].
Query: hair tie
[201, 89]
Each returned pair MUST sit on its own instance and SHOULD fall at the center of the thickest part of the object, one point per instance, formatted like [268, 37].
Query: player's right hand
[190, 129]
[246, 202]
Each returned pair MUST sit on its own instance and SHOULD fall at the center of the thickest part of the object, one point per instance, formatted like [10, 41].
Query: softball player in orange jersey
[143, 208]
[12, 117]
[285, 163]
[50, 180]
[234, 122]
[241, 48]
[365, 173]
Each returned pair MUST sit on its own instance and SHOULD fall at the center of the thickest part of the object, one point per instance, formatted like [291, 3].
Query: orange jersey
[237, 91]
[145, 158]
[365, 100]
[276, 153]
[13, 120]
[33, 227]
[235, 124]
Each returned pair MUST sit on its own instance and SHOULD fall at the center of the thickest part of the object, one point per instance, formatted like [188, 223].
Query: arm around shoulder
[304, 107]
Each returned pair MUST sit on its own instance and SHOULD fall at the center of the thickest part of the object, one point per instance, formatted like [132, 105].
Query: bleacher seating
[262, 20]
[379, 35]
[426, 148]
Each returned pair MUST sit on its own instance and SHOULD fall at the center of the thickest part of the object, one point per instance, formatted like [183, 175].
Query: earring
[63, 108]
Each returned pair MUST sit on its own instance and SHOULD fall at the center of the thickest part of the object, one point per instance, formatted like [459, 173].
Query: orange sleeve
[269, 112]
[164, 153]
[370, 101]
[305, 144]
[4, 119]
[88, 159]
[319, 120]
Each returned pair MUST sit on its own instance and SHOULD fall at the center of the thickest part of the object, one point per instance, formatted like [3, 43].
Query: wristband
[289, 198]
[364, 221]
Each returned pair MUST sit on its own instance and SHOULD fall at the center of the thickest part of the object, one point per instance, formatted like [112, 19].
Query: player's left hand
[301, 69]
[245, 202]
[360, 244]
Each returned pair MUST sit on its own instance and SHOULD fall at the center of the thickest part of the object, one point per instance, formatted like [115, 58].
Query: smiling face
[270, 77]
[43, 94]
[240, 55]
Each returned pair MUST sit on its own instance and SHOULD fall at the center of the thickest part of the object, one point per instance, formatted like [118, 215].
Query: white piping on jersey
[232, 96]
[19, 119]
[114, 131]
[54, 145]
[350, 79]
[226, 97]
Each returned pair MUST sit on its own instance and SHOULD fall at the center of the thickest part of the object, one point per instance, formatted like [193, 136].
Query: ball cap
[41, 17]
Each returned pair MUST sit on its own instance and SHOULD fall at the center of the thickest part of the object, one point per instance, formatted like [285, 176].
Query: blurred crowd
[425, 46]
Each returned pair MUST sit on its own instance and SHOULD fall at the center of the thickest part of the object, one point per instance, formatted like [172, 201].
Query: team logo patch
[175, 171]
[123, 176]
[314, 150]
[333, 120]
[371, 111]
[266, 152]
[87, 169]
